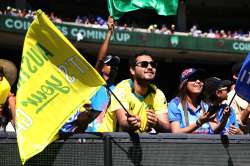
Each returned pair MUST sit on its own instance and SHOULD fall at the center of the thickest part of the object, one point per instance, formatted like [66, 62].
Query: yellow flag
[54, 80]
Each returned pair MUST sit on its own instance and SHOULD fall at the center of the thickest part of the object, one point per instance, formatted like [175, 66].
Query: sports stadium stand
[193, 43]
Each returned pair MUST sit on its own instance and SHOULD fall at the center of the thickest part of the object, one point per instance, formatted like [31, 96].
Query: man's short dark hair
[132, 60]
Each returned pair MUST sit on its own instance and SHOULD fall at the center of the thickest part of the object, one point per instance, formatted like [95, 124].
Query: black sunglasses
[195, 78]
[144, 64]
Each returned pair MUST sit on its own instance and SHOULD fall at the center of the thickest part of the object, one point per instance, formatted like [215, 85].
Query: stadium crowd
[204, 104]
[98, 22]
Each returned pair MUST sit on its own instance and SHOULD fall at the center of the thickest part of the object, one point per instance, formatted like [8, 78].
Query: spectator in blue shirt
[88, 117]
[188, 112]
[225, 121]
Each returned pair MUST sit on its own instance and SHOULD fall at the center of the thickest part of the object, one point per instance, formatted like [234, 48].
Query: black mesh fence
[120, 149]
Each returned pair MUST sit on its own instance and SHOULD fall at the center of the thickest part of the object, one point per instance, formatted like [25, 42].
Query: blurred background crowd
[95, 21]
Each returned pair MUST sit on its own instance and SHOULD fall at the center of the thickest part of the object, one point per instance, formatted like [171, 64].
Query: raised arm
[104, 47]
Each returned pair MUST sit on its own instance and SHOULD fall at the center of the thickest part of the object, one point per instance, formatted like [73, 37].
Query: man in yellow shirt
[144, 106]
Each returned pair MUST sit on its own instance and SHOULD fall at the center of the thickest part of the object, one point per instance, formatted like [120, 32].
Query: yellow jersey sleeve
[160, 102]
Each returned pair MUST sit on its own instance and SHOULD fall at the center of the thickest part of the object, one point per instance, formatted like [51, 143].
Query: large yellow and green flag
[163, 7]
[54, 80]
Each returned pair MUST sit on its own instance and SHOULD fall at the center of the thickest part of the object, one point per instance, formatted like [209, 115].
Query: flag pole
[128, 114]
[232, 99]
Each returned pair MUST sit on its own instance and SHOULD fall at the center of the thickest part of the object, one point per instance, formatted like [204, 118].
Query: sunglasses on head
[144, 64]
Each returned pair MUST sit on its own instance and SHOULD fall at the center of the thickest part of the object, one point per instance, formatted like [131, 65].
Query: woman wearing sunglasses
[188, 112]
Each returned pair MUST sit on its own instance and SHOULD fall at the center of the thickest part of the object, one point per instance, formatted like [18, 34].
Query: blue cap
[190, 72]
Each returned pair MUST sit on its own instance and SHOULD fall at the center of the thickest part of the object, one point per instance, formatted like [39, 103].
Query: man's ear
[132, 71]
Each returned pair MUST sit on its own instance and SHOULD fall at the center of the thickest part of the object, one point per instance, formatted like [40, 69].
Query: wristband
[198, 123]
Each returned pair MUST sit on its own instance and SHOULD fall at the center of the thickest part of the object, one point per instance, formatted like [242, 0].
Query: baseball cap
[111, 60]
[213, 83]
[192, 73]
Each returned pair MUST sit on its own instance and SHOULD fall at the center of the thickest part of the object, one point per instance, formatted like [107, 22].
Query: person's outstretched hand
[111, 23]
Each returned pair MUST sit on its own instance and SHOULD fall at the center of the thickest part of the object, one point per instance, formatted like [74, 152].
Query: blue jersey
[99, 102]
[176, 113]
[232, 120]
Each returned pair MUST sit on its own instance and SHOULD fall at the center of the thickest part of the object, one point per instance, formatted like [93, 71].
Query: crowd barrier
[124, 149]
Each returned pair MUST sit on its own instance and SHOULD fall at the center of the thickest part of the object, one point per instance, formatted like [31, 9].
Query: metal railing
[134, 149]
